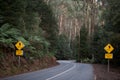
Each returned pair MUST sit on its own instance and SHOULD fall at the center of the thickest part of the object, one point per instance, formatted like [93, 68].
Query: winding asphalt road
[67, 70]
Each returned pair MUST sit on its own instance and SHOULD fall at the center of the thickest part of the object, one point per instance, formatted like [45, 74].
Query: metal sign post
[108, 48]
[108, 65]
[19, 61]
[19, 45]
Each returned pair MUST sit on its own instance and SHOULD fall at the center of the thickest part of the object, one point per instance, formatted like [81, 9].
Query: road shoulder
[101, 73]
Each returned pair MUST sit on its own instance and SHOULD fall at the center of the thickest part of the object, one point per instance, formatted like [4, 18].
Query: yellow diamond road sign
[19, 52]
[108, 56]
[108, 48]
[19, 45]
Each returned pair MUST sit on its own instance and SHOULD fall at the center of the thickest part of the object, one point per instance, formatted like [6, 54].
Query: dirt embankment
[101, 72]
[9, 66]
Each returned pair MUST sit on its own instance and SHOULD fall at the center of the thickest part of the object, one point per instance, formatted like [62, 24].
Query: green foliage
[86, 60]
[20, 38]
[112, 22]
[11, 11]
[83, 43]
[8, 34]
[115, 40]
[75, 47]
[63, 48]
[48, 22]
[100, 40]
[30, 21]
[112, 16]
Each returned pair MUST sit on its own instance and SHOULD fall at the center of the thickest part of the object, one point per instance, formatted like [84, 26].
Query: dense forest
[66, 29]
[87, 26]
[33, 23]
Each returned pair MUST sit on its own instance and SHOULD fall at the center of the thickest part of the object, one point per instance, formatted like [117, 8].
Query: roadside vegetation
[58, 29]
[33, 23]
[85, 28]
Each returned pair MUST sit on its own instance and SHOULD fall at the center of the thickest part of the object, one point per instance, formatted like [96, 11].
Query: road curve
[67, 70]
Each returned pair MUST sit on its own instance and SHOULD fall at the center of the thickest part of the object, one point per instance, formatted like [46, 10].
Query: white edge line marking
[62, 72]
[95, 78]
